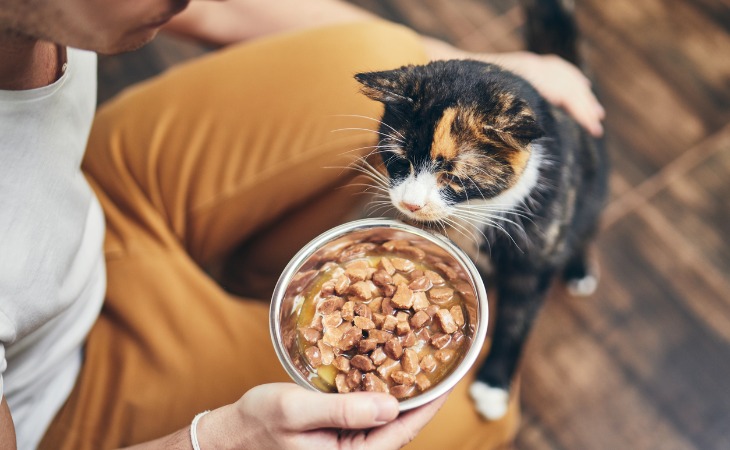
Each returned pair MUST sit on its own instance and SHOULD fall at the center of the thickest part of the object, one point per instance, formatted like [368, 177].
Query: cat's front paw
[490, 402]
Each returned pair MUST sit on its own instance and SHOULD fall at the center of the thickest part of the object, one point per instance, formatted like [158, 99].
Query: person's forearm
[179, 440]
[231, 21]
[223, 23]
[218, 429]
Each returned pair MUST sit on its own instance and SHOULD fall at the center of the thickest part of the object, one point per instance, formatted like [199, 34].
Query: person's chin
[130, 42]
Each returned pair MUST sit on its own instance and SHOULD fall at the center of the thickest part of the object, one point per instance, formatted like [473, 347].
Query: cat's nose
[410, 206]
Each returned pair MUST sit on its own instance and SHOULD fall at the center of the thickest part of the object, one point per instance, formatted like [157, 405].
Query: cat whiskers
[379, 148]
[381, 180]
[361, 163]
[384, 135]
[403, 138]
[489, 220]
[467, 229]
[376, 206]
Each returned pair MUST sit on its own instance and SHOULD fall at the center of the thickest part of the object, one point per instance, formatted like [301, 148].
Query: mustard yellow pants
[233, 155]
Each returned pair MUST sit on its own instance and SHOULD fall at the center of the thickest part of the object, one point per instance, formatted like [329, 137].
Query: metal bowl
[287, 299]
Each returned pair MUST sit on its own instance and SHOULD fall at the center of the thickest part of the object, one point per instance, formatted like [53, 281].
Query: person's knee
[388, 45]
[379, 45]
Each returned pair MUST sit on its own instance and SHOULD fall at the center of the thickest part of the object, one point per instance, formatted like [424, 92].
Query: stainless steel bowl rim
[358, 225]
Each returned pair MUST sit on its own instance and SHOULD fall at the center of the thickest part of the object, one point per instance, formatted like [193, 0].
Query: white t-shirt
[52, 273]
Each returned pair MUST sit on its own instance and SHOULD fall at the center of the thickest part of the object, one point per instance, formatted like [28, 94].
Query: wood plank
[650, 348]
[495, 31]
[682, 44]
[641, 105]
[699, 208]
[574, 384]
[626, 200]
[451, 15]
[534, 435]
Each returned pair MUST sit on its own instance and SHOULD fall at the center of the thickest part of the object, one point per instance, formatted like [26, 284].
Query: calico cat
[474, 151]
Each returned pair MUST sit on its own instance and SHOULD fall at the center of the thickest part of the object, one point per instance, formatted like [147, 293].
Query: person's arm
[284, 415]
[232, 21]
[7, 429]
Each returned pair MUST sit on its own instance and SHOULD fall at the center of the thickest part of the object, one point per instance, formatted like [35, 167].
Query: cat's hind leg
[581, 274]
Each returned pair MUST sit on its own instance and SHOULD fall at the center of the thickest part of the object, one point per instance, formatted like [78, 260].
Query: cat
[472, 150]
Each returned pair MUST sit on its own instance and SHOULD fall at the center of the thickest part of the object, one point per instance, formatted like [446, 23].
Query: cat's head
[453, 132]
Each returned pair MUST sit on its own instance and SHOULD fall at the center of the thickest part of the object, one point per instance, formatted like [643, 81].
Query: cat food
[382, 317]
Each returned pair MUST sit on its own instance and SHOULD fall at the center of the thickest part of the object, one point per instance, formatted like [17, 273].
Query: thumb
[304, 410]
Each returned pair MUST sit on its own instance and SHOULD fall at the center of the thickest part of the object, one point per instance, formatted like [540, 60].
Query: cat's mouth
[424, 225]
[425, 216]
[420, 213]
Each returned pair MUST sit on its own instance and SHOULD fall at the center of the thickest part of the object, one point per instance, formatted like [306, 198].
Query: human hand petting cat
[287, 416]
[559, 81]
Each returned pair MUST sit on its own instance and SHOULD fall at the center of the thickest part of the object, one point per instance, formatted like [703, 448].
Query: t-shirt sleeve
[3, 366]
[7, 333]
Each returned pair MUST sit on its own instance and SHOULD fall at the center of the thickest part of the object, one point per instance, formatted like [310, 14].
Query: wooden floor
[644, 363]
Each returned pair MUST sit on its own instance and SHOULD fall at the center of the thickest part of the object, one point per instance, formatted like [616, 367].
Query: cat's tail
[551, 28]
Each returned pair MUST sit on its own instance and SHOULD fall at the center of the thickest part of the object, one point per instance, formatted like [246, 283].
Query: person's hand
[287, 416]
[559, 81]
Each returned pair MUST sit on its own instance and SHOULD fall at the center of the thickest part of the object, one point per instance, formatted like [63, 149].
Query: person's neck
[28, 63]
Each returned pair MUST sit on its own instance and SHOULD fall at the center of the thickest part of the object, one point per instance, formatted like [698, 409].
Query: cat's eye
[398, 165]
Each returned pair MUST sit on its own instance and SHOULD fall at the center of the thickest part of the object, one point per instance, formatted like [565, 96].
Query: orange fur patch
[517, 158]
[444, 142]
[451, 141]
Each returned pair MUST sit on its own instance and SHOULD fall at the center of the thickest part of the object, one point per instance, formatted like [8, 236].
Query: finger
[404, 429]
[303, 410]
[585, 109]
[582, 114]
[595, 112]
[600, 110]
[594, 115]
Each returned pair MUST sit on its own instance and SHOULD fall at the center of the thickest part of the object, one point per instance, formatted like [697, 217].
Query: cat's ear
[387, 87]
[518, 132]
[514, 122]
[525, 129]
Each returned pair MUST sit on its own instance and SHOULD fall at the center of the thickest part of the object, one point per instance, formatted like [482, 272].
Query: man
[222, 154]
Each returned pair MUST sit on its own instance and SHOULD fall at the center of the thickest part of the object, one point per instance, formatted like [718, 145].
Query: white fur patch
[508, 200]
[489, 401]
[420, 189]
[528, 180]
[582, 287]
